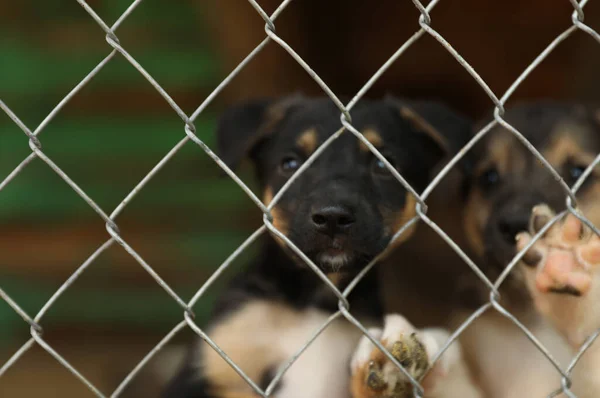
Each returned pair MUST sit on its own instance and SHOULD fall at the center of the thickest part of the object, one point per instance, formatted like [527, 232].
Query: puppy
[560, 273]
[505, 183]
[342, 212]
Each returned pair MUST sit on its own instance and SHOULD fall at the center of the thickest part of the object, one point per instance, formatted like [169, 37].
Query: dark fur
[344, 178]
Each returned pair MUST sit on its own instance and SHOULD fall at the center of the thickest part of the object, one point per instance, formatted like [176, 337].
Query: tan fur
[422, 125]
[589, 204]
[239, 395]
[335, 278]
[502, 156]
[393, 221]
[563, 147]
[477, 213]
[307, 142]
[358, 386]
[267, 196]
[502, 358]
[252, 353]
[409, 212]
[279, 221]
[263, 335]
[499, 151]
[373, 137]
[568, 144]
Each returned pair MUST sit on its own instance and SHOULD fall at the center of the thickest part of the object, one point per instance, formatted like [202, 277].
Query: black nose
[509, 225]
[332, 219]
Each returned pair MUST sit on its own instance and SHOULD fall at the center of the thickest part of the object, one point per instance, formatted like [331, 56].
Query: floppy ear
[448, 130]
[244, 126]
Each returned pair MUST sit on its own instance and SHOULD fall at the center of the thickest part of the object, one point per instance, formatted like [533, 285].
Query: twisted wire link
[19, 310]
[425, 23]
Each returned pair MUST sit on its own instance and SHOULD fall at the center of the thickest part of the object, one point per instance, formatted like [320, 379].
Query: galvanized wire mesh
[426, 28]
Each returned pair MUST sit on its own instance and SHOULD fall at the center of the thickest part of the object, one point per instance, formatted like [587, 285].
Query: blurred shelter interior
[188, 219]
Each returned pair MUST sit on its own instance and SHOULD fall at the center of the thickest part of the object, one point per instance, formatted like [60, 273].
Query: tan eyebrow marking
[373, 137]
[307, 141]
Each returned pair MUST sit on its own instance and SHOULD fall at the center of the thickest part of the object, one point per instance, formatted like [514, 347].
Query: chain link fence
[426, 28]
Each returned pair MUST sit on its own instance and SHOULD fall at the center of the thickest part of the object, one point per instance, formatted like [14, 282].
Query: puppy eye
[576, 171]
[289, 164]
[489, 178]
[380, 168]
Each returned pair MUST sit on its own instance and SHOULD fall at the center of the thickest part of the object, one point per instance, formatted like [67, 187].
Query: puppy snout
[332, 220]
[511, 224]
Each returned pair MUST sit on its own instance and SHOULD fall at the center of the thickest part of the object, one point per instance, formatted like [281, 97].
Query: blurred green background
[184, 223]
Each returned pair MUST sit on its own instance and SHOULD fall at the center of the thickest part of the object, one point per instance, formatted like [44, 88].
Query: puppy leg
[562, 271]
[375, 376]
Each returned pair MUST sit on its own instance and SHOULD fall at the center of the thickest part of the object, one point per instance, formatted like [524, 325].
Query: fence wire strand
[425, 20]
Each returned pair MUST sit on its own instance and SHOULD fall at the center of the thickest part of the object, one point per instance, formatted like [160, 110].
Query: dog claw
[542, 214]
[375, 378]
[532, 257]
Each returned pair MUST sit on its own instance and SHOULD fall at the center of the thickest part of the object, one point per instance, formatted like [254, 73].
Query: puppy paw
[562, 271]
[375, 376]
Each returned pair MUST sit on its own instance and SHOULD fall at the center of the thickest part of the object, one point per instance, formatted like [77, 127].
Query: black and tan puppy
[341, 212]
[562, 274]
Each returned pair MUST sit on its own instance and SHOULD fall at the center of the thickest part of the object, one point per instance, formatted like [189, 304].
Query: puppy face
[508, 181]
[343, 210]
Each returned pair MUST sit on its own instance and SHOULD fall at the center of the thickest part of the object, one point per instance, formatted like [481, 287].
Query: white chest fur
[506, 363]
[323, 370]
[263, 336]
